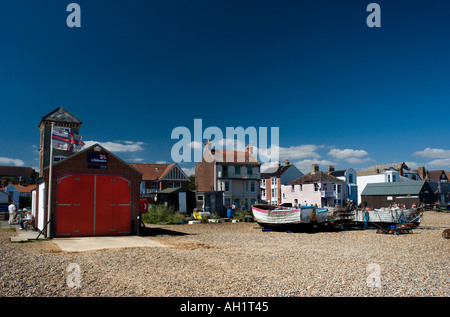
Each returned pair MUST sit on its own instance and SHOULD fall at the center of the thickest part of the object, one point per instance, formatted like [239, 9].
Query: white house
[349, 176]
[384, 173]
[316, 188]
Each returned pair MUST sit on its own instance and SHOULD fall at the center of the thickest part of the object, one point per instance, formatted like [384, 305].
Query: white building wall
[362, 181]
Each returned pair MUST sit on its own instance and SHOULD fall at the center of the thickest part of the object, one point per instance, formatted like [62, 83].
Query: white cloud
[161, 162]
[300, 152]
[305, 165]
[413, 165]
[433, 153]
[441, 163]
[357, 160]
[189, 171]
[119, 146]
[7, 160]
[350, 156]
[347, 153]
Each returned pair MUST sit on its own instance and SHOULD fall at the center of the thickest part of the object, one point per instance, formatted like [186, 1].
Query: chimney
[250, 149]
[208, 146]
[421, 172]
[315, 168]
[400, 169]
[330, 169]
[287, 162]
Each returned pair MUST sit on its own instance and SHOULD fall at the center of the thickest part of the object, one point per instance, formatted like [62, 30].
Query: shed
[180, 198]
[94, 193]
[377, 195]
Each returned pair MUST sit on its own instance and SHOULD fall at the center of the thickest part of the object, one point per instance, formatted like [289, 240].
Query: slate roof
[16, 171]
[316, 177]
[394, 188]
[275, 171]
[61, 115]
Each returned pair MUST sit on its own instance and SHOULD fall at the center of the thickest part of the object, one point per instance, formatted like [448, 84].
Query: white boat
[388, 216]
[273, 216]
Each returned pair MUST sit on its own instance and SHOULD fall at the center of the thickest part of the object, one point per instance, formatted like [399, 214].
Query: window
[224, 171]
[292, 188]
[316, 187]
[284, 195]
[252, 187]
[227, 201]
[226, 185]
[350, 178]
[171, 184]
[246, 187]
[324, 187]
[394, 178]
[337, 188]
[200, 197]
[237, 170]
[58, 158]
[301, 187]
[249, 171]
[389, 178]
[178, 184]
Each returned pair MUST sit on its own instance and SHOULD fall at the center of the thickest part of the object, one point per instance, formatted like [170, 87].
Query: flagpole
[50, 176]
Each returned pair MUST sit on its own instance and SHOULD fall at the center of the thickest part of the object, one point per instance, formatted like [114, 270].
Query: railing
[331, 194]
[255, 176]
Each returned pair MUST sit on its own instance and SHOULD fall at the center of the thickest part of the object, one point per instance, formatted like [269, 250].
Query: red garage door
[91, 205]
[112, 206]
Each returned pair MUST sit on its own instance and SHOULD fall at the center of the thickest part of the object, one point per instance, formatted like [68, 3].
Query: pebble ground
[238, 259]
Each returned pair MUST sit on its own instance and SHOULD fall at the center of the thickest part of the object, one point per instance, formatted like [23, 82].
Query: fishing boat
[388, 216]
[277, 216]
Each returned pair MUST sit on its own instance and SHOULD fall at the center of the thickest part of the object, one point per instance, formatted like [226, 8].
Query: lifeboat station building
[93, 193]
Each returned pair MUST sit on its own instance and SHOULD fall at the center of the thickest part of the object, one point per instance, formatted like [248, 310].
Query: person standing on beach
[12, 213]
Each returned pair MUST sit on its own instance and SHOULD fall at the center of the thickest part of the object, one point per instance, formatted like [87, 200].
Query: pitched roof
[436, 175]
[153, 171]
[61, 115]
[275, 171]
[25, 189]
[338, 173]
[394, 188]
[234, 157]
[316, 177]
[16, 171]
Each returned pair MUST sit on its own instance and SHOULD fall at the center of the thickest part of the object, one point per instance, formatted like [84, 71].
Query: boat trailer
[397, 229]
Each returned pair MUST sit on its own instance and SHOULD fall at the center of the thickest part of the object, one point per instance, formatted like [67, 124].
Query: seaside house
[315, 188]
[274, 177]
[384, 173]
[349, 177]
[235, 173]
[158, 177]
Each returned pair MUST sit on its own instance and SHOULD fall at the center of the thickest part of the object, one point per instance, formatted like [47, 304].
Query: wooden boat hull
[385, 216]
[273, 216]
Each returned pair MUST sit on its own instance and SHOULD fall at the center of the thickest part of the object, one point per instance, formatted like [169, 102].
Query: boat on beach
[388, 216]
[277, 216]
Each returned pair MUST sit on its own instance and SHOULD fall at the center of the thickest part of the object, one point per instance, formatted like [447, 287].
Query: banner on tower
[66, 141]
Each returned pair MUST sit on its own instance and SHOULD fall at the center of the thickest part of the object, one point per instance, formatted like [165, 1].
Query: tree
[191, 182]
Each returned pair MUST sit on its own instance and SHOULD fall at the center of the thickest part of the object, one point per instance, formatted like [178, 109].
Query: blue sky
[340, 92]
